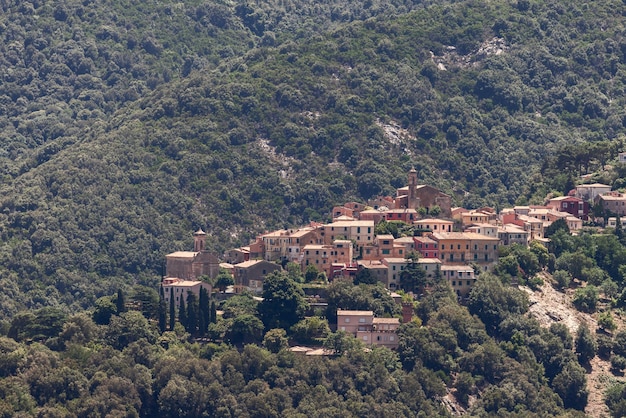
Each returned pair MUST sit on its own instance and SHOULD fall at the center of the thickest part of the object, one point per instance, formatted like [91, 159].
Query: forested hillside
[126, 126]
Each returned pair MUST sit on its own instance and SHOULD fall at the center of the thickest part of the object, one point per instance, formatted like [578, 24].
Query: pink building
[573, 205]
[370, 330]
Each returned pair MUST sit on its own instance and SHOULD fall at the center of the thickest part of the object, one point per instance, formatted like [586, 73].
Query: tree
[275, 340]
[120, 302]
[127, 328]
[413, 278]
[558, 225]
[571, 385]
[586, 298]
[172, 313]
[310, 274]
[615, 399]
[223, 280]
[294, 271]
[562, 279]
[182, 312]
[204, 311]
[192, 314]
[104, 309]
[162, 311]
[341, 343]
[148, 299]
[606, 321]
[365, 276]
[586, 346]
[283, 301]
[245, 329]
[492, 302]
[213, 313]
[311, 330]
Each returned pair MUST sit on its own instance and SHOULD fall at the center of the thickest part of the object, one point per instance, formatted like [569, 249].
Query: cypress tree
[120, 303]
[213, 313]
[192, 313]
[204, 311]
[182, 312]
[172, 309]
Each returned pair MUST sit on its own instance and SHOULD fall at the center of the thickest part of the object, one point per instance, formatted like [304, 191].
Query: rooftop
[182, 254]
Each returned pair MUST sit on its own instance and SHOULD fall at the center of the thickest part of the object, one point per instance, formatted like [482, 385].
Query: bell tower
[199, 240]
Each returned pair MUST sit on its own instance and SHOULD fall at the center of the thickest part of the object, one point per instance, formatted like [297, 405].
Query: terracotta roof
[182, 254]
[351, 223]
[250, 263]
[386, 236]
[353, 313]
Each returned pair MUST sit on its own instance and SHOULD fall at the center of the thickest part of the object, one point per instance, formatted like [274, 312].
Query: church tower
[199, 240]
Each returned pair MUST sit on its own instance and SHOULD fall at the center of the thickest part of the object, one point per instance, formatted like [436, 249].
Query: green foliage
[344, 295]
[571, 386]
[223, 280]
[606, 321]
[311, 330]
[275, 340]
[586, 298]
[586, 346]
[413, 278]
[618, 363]
[562, 279]
[283, 302]
[365, 276]
[492, 302]
[616, 399]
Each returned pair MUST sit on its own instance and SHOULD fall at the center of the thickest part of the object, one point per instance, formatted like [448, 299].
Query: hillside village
[451, 243]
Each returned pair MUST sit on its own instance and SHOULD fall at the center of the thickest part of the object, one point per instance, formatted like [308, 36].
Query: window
[365, 338]
[361, 320]
[392, 338]
[468, 283]
[453, 282]
[347, 320]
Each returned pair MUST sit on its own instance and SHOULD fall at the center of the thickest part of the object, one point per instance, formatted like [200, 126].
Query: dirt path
[550, 306]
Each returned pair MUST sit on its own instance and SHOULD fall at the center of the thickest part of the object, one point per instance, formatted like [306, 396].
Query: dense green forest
[128, 125]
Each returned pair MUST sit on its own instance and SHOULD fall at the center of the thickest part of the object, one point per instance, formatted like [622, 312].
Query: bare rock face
[451, 58]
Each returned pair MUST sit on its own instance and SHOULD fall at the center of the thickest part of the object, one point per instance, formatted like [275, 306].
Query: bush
[605, 346]
[586, 299]
[562, 278]
[618, 363]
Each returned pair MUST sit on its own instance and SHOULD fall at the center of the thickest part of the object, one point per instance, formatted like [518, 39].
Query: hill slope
[276, 136]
